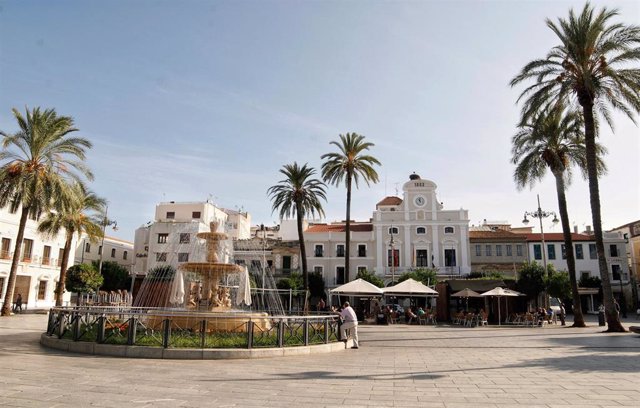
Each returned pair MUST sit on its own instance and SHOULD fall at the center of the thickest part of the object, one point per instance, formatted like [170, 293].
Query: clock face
[419, 200]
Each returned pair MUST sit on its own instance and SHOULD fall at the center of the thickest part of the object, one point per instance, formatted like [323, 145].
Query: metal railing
[179, 329]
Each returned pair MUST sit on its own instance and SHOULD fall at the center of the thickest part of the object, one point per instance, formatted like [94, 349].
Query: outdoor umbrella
[177, 288]
[410, 287]
[357, 287]
[466, 293]
[499, 292]
[244, 289]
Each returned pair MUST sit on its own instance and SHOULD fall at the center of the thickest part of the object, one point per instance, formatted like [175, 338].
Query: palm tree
[300, 194]
[554, 140]
[73, 218]
[350, 164]
[38, 161]
[595, 67]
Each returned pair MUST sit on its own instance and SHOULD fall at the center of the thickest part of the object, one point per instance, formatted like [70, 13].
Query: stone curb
[113, 350]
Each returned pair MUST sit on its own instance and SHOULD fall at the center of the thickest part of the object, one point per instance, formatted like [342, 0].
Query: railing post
[203, 333]
[60, 324]
[305, 331]
[101, 321]
[250, 325]
[166, 332]
[131, 332]
[76, 326]
[50, 323]
[281, 333]
[326, 330]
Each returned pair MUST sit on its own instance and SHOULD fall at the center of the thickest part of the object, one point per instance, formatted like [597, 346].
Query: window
[318, 251]
[593, 253]
[362, 269]
[6, 248]
[362, 250]
[487, 250]
[478, 250]
[27, 248]
[448, 230]
[584, 275]
[421, 230]
[318, 269]
[161, 256]
[551, 250]
[100, 250]
[195, 215]
[185, 237]
[171, 215]
[340, 250]
[393, 258]
[537, 251]
[255, 264]
[124, 255]
[1, 287]
[616, 272]
[422, 258]
[564, 251]
[60, 256]
[46, 255]
[42, 290]
[579, 253]
[518, 250]
[162, 238]
[498, 250]
[184, 257]
[113, 252]
[449, 257]
[339, 275]
[393, 230]
[87, 247]
[613, 250]
[286, 264]
[509, 253]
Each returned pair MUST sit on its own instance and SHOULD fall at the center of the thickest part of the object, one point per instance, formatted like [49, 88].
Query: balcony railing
[46, 261]
[6, 254]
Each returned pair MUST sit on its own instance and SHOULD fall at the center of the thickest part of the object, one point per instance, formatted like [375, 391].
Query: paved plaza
[399, 366]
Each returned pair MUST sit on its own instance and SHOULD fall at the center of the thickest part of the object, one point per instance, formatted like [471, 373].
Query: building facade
[495, 249]
[115, 250]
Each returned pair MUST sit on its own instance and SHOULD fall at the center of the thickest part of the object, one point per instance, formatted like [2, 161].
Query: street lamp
[393, 257]
[106, 222]
[540, 215]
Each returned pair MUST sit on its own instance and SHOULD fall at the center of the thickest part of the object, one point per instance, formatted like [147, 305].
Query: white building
[424, 234]
[115, 250]
[40, 258]
[171, 238]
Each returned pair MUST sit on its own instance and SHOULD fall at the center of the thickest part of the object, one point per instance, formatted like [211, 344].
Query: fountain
[211, 300]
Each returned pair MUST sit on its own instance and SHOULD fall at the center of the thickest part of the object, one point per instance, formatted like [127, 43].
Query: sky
[198, 100]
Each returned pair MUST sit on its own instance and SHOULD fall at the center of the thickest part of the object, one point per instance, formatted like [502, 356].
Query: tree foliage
[83, 278]
[316, 284]
[427, 276]
[163, 272]
[558, 285]
[531, 279]
[590, 282]
[116, 277]
[371, 278]
[294, 282]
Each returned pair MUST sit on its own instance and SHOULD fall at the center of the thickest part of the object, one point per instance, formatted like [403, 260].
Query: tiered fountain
[213, 300]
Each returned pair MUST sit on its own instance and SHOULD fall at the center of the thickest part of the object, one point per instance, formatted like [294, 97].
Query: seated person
[409, 315]
[420, 312]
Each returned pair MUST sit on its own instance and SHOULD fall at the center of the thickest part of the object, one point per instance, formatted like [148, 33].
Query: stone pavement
[399, 366]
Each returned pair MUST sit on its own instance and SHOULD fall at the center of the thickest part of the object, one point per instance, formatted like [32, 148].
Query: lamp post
[106, 222]
[540, 215]
[393, 257]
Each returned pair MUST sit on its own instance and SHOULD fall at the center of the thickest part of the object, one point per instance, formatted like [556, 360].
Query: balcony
[46, 261]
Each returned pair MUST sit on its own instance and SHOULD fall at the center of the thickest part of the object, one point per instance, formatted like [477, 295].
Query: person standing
[349, 322]
[18, 304]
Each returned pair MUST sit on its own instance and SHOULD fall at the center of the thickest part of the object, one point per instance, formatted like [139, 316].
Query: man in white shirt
[349, 322]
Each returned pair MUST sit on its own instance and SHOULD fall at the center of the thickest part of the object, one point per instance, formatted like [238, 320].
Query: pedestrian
[349, 322]
[18, 304]
[321, 305]
[562, 315]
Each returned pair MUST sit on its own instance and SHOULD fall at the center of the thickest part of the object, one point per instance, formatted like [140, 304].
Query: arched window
[421, 230]
[393, 230]
[448, 230]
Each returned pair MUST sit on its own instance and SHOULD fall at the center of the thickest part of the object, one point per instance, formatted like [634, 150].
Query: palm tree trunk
[11, 284]
[613, 317]
[303, 250]
[347, 229]
[578, 318]
[63, 268]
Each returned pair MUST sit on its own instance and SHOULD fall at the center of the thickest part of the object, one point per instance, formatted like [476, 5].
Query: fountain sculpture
[211, 300]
